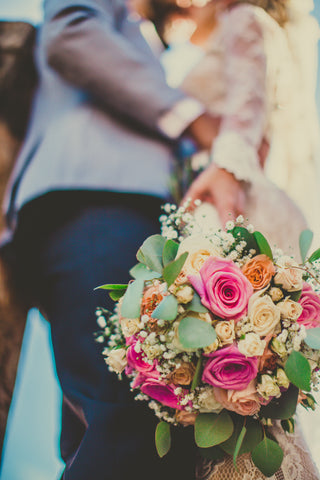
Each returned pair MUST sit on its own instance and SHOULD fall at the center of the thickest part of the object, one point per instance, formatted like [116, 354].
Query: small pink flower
[229, 369]
[162, 392]
[310, 302]
[223, 288]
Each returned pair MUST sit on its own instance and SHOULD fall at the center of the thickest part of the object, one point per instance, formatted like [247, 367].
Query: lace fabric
[296, 465]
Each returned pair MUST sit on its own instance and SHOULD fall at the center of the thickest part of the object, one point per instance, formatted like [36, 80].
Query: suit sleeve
[89, 47]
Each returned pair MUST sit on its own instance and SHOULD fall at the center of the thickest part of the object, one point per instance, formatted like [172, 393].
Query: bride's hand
[219, 187]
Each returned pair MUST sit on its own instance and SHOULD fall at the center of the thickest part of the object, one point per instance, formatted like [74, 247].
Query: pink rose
[223, 288]
[137, 362]
[162, 392]
[243, 402]
[310, 302]
[229, 369]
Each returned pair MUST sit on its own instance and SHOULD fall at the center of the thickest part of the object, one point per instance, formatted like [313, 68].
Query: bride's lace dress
[248, 77]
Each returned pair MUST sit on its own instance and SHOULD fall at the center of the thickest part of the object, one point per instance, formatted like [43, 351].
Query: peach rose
[289, 275]
[152, 296]
[259, 271]
[185, 418]
[289, 309]
[244, 402]
[225, 331]
[182, 375]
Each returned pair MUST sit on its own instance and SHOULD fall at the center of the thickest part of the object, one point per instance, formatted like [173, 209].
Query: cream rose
[225, 331]
[152, 351]
[268, 387]
[282, 379]
[252, 345]
[208, 402]
[276, 294]
[184, 294]
[278, 347]
[130, 326]
[117, 360]
[289, 275]
[244, 402]
[289, 309]
[264, 314]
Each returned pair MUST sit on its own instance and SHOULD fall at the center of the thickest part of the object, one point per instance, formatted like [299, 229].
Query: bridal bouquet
[219, 331]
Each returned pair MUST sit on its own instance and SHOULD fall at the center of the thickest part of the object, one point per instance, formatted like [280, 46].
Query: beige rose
[244, 402]
[208, 402]
[182, 375]
[152, 351]
[268, 387]
[117, 360]
[264, 314]
[185, 418]
[289, 309]
[289, 275]
[184, 294]
[276, 294]
[252, 345]
[282, 379]
[130, 326]
[225, 331]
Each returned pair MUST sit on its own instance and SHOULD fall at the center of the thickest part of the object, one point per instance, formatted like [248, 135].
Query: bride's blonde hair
[278, 9]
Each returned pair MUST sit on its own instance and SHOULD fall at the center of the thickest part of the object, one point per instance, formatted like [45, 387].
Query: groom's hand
[219, 187]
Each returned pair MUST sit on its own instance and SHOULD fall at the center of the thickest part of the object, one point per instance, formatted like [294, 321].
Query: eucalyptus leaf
[150, 252]
[167, 309]
[170, 251]
[163, 438]
[115, 295]
[131, 304]
[295, 296]
[314, 256]
[263, 244]
[239, 445]
[112, 286]
[305, 240]
[142, 271]
[313, 338]
[195, 333]
[197, 375]
[212, 429]
[195, 305]
[267, 456]
[283, 407]
[242, 234]
[212, 453]
[172, 269]
[298, 370]
[252, 437]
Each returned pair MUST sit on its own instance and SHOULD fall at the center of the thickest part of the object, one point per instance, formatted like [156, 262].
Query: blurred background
[31, 442]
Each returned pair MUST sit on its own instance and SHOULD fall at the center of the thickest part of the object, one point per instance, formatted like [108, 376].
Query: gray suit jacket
[95, 116]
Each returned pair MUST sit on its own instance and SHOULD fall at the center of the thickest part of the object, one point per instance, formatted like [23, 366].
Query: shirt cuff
[184, 112]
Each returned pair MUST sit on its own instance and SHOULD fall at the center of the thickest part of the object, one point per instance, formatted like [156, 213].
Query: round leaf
[253, 435]
[195, 333]
[130, 307]
[298, 370]
[170, 251]
[142, 271]
[167, 309]
[305, 241]
[195, 305]
[263, 244]
[283, 407]
[313, 338]
[163, 438]
[172, 269]
[150, 252]
[267, 456]
[212, 429]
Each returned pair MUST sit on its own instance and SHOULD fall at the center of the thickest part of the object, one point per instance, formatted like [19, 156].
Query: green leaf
[212, 429]
[267, 456]
[111, 286]
[305, 240]
[172, 269]
[252, 437]
[170, 251]
[212, 453]
[150, 252]
[239, 445]
[195, 305]
[263, 244]
[298, 370]
[284, 407]
[197, 375]
[142, 271]
[115, 295]
[195, 333]
[313, 338]
[163, 438]
[131, 304]
[295, 296]
[314, 256]
[167, 309]
[242, 234]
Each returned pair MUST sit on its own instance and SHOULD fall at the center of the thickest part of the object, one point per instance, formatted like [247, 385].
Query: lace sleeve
[244, 118]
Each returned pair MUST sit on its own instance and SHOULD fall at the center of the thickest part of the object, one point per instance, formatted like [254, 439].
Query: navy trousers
[66, 244]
